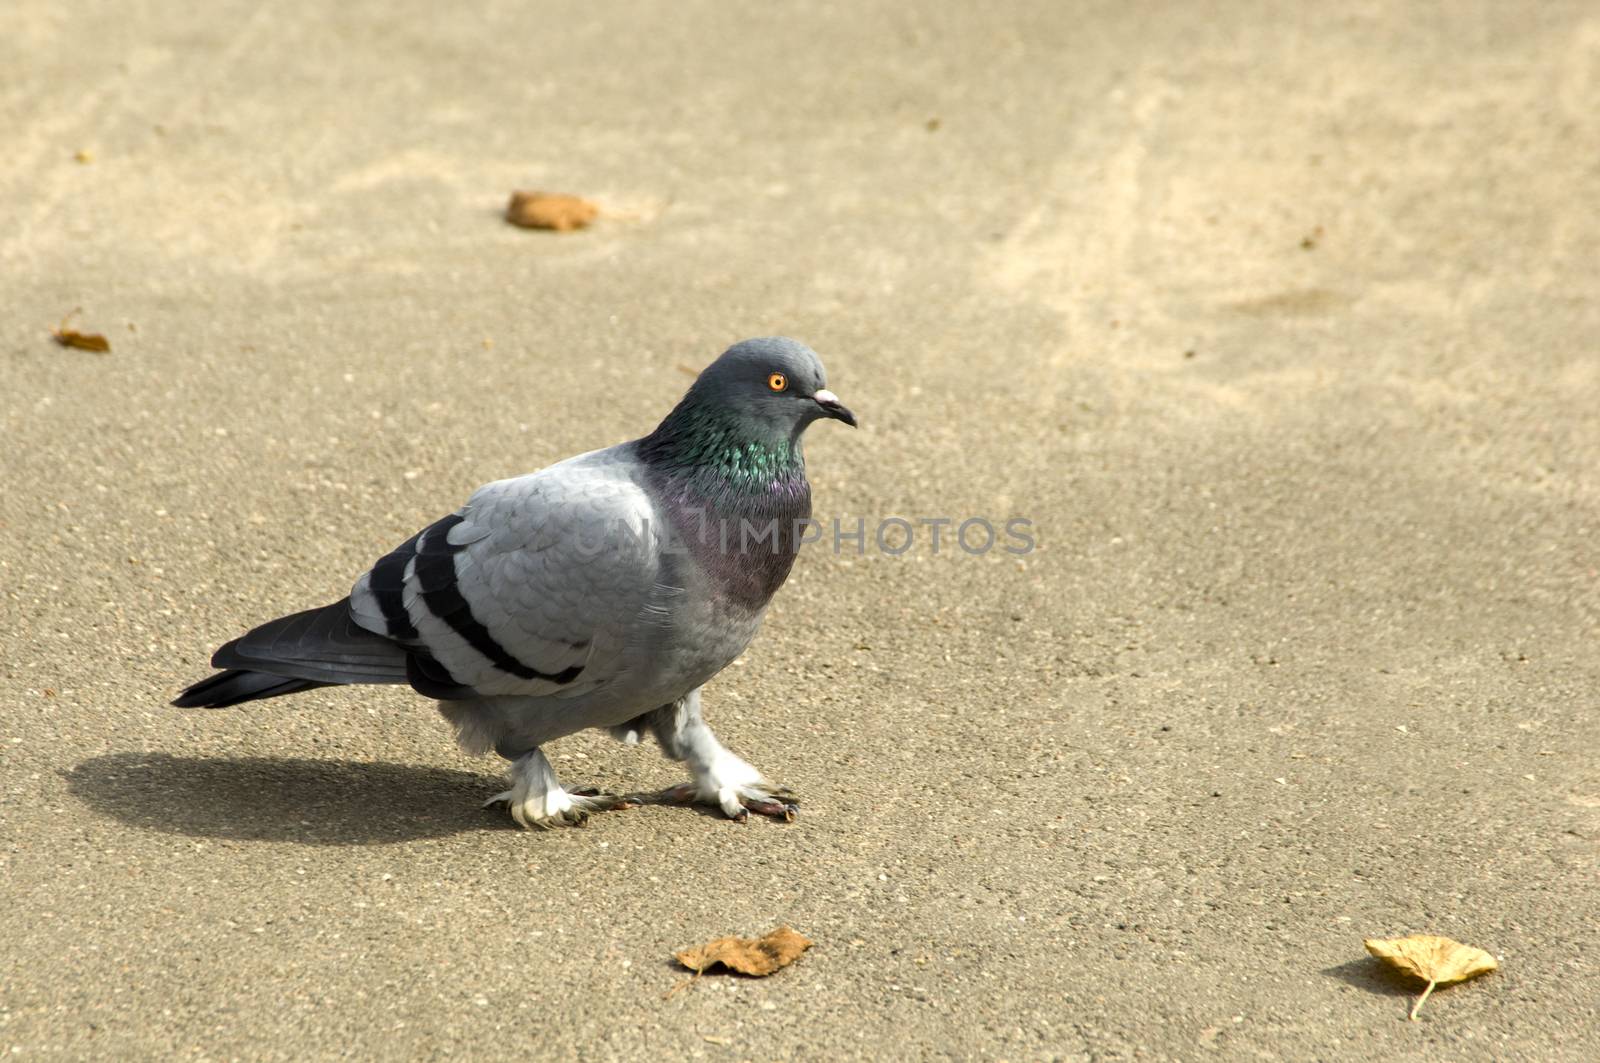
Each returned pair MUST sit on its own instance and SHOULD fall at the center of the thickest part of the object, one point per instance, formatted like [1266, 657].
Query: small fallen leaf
[753, 956]
[83, 341]
[1435, 960]
[550, 210]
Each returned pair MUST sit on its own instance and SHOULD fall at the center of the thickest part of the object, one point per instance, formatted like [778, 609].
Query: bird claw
[560, 807]
[736, 802]
[784, 810]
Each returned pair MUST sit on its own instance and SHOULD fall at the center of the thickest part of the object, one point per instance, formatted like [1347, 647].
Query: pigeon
[601, 592]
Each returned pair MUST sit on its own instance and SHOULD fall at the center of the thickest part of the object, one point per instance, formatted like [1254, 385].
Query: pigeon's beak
[832, 407]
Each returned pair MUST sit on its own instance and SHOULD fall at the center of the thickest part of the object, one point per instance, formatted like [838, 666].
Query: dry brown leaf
[754, 956]
[83, 341]
[1435, 960]
[550, 210]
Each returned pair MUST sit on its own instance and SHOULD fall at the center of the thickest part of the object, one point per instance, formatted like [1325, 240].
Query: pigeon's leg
[720, 777]
[629, 733]
[536, 799]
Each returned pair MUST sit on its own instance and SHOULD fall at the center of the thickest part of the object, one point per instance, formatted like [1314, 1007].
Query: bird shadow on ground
[1373, 977]
[274, 799]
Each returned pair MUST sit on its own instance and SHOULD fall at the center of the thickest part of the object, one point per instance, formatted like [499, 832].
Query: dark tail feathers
[316, 648]
[235, 686]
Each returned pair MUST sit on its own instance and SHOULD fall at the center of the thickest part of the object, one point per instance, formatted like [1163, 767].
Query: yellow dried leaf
[83, 341]
[550, 210]
[754, 956]
[1435, 960]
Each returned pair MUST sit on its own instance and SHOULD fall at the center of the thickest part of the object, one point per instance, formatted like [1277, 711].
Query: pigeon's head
[774, 382]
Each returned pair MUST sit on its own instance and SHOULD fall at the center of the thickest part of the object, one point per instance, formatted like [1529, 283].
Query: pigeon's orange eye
[777, 381]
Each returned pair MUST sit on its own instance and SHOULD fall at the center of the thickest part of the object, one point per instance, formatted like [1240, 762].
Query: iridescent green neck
[720, 475]
[722, 451]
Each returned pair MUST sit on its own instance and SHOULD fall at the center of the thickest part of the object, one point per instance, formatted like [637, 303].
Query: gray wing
[533, 588]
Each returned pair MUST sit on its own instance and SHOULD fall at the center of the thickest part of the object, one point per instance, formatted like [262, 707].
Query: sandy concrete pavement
[1280, 325]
